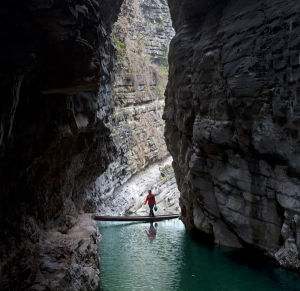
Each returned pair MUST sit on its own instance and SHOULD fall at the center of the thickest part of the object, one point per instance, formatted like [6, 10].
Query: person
[151, 202]
[151, 233]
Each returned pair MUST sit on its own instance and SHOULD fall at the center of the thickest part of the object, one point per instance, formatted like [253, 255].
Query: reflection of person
[151, 233]
[151, 201]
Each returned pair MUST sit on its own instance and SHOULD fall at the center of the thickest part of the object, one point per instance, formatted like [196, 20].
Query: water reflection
[151, 233]
[143, 257]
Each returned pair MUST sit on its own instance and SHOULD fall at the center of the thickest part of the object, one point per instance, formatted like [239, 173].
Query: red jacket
[151, 199]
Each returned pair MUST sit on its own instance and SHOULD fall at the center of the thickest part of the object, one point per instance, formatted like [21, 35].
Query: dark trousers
[151, 210]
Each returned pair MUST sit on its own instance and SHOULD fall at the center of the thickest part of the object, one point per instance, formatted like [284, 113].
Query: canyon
[142, 35]
[80, 118]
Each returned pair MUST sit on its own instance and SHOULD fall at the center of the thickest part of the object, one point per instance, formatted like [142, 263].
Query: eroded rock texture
[130, 197]
[56, 70]
[142, 35]
[69, 261]
[232, 121]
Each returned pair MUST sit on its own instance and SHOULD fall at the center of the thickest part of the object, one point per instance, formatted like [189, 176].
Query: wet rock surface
[232, 122]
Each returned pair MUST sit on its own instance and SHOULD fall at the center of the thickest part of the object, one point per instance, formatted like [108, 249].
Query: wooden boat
[135, 218]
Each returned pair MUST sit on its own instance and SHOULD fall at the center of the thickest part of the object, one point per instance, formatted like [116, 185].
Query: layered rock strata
[232, 121]
[130, 197]
[142, 35]
[56, 70]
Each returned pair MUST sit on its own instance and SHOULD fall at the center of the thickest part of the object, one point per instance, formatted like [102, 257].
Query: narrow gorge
[142, 35]
[87, 127]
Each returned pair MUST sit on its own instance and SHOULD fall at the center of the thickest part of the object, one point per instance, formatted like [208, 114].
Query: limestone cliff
[55, 75]
[142, 35]
[130, 197]
[232, 121]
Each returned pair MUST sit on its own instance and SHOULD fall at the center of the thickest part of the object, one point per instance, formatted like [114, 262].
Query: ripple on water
[138, 256]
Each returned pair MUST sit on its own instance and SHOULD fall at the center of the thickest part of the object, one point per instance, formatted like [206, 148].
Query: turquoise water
[166, 257]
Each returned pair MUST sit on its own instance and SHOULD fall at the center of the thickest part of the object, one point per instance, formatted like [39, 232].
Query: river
[166, 257]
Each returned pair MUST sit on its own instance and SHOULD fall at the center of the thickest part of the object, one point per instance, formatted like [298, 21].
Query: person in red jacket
[151, 202]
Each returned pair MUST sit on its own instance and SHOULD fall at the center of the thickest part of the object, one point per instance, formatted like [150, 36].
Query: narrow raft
[135, 218]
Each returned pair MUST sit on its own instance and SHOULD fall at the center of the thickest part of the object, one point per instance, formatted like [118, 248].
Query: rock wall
[69, 260]
[142, 35]
[55, 75]
[131, 195]
[232, 121]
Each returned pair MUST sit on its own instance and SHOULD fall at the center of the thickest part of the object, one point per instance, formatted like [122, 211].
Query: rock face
[232, 121]
[130, 197]
[142, 35]
[56, 71]
[69, 261]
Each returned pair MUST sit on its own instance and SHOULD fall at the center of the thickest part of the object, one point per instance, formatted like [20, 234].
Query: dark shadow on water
[252, 258]
[202, 238]
[258, 260]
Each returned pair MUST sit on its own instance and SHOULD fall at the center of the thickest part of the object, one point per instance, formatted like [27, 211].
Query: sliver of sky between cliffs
[166, 257]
